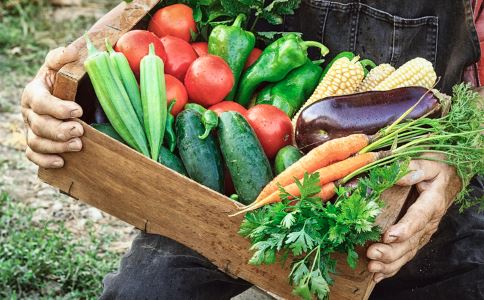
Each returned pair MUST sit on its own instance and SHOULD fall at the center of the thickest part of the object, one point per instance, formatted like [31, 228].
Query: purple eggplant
[367, 113]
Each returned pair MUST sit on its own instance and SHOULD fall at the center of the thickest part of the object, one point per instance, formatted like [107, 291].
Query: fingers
[39, 99]
[48, 161]
[390, 269]
[45, 146]
[420, 170]
[388, 253]
[417, 217]
[53, 129]
[59, 57]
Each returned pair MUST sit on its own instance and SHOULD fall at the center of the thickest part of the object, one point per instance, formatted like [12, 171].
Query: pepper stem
[91, 49]
[238, 21]
[367, 65]
[324, 49]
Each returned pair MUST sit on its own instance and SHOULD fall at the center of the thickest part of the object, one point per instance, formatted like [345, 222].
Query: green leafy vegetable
[210, 13]
[311, 230]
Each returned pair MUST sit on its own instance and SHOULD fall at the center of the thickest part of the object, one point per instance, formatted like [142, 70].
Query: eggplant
[367, 112]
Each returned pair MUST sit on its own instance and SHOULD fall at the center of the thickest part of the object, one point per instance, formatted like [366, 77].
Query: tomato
[272, 126]
[209, 80]
[201, 48]
[228, 106]
[175, 90]
[175, 20]
[180, 56]
[134, 45]
[253, 57]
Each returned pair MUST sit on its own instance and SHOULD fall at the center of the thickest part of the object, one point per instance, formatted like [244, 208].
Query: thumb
[420, 170]
[59, 57]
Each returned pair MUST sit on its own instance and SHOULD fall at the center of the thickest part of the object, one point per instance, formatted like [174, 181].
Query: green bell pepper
[275, 62]
[290, 93]
[170, 138]
[234, 45]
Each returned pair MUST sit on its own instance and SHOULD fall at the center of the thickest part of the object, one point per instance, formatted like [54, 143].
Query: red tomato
[175, 90]
[209, 79]
[228, 106]
[176, 20]
[254, 55]
[134, 45]
[180, 56]
[201, 48]
[272, 126]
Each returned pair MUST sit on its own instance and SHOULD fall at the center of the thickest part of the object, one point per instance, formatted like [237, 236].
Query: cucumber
[108, 130]
[170, 160]
[247, 163]
[286, 157]
[202, 158]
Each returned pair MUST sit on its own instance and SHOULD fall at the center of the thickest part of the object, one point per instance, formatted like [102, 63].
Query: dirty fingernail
[376, 254]
[76, 113]
[74, 145]
[391, 238]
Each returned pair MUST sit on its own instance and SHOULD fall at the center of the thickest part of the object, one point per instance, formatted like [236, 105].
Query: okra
[153, 98]
[114, 99]
[121, 65]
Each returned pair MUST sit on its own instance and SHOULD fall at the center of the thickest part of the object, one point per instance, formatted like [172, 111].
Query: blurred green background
[51, 246]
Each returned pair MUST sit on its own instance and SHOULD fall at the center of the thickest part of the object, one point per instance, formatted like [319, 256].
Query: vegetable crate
[116, 179]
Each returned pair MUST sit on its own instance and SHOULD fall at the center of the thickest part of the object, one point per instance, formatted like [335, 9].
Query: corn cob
[153, 99]
[375, 77]
[114, 99]
[121, 65]
[343, 78]
[415, 72]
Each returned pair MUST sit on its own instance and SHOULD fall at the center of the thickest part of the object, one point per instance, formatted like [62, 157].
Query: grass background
[42, 258]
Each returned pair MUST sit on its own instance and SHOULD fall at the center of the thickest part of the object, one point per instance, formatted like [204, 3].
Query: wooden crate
[119, 181]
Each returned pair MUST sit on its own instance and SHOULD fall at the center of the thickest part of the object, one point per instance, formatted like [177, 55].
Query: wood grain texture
[114, 178]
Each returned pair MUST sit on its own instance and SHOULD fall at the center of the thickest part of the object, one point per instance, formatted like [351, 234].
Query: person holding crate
[433, 252]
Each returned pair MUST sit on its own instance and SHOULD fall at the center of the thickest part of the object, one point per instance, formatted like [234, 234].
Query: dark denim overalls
[451, 266]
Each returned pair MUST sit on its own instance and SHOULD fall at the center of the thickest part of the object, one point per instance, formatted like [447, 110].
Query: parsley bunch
[310, 231]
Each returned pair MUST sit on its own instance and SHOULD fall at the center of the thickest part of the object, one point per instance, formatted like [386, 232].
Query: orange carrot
[327, 192]
[327, 174]
[321, 156]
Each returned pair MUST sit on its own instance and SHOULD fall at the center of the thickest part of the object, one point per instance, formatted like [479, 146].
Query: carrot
[321, 156]
[327, 175]
[327, 192]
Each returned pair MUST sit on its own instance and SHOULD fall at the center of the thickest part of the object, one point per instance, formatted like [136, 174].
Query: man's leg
[157, 267]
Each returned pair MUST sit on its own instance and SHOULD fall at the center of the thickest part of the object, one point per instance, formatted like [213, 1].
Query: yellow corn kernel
[375, 77]
[415, 72]
[343, 78]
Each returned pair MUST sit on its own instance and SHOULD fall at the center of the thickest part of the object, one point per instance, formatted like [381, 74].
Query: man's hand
[50, 130]
[438, 184]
